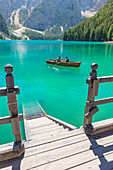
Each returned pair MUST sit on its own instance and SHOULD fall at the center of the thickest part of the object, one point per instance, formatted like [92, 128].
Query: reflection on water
[64, 68]
[54, 68]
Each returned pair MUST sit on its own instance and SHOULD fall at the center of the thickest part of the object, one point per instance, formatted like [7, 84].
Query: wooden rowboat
[63, 63]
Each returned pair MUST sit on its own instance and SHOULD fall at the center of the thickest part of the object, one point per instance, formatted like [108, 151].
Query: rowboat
[63, 63]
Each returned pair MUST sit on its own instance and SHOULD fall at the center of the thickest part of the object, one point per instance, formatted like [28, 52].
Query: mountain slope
[97, 28]
[49, 10]
[8, 6]
[52, 12]
[90, 7]
[94, 5]
[3, 26]
[50, 16]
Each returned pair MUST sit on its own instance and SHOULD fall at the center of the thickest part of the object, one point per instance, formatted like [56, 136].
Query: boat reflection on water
[54, 68]
[63, 69]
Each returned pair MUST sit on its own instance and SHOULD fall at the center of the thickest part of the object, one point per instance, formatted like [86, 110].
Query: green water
[61, 91]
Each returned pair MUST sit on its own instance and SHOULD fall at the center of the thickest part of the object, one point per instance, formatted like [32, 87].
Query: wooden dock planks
[64, 149]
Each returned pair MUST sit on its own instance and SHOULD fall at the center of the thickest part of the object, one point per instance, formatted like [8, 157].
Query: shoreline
[108, 42]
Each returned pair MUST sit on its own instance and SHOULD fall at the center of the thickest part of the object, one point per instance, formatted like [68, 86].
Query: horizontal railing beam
[3, 91]
[100, 101]
[7, 119]
[104, 79]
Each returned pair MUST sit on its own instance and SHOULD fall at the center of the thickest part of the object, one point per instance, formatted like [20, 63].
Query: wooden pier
[52, 144]
[52, 147]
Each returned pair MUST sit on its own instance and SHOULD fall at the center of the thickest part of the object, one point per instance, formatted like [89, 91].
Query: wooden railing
[10, 91]
[91, 108]
[14, 149]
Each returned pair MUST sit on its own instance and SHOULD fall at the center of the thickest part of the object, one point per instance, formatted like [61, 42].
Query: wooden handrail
[10, 91]
[3, 90]
[7, 119]
[104, 79]
[100, 101]
[17, 149]
[93, 82]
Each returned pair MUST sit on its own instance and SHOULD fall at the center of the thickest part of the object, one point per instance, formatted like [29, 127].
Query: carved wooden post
[12, 103]
[92, 92]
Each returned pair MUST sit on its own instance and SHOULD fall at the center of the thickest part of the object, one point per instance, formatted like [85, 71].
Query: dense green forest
[37, 36]
[97, 28]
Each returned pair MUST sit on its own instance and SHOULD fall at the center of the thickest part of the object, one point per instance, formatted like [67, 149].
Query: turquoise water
[62, 92]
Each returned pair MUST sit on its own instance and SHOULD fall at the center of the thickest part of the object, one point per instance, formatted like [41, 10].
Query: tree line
[97, 28]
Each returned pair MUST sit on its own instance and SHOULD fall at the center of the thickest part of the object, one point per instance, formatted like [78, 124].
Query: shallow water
[61, 91]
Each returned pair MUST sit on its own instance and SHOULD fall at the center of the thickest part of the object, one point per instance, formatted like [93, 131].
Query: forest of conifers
[97, 28]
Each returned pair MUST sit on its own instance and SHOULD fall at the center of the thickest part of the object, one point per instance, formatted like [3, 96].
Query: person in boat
[58, 59]
[61, 60]
[67, 59]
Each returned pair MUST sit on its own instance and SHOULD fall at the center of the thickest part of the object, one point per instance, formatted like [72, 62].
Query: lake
[61, 91]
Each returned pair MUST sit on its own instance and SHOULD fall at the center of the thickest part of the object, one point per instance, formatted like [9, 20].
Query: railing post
[92, 92]
[91, 108]
[12, 103]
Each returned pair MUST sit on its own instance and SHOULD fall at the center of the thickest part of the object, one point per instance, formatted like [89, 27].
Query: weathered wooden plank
[79, 148]
[95, 87]
[37, 128]
[7, 119]
[91, 96]
[86, 145]
[3, 90]
[38, 120]
[68, 166]
[72, 154]
[42, 122]
[79, 159]
[7, 168]
[87, 108]
[105, 79]
[103, 123]
[65, 125]
[100, 127]
[55, 137]
[12, 103]
[44, 158]
[92, 165]
[27, 131]
[67, 163]
[11, 151]
[64, 157]
[48, 133]
[91, 112]
[100, 101]
[55, 144]
[82, 139]
[43, 128]
[104, 163]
